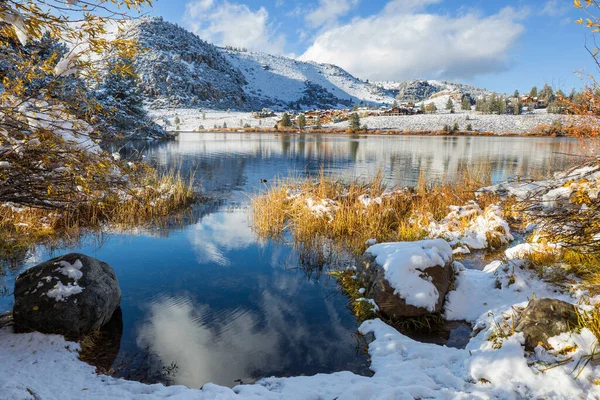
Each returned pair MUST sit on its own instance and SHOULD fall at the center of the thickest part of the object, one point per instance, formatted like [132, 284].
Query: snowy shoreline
[196, 120]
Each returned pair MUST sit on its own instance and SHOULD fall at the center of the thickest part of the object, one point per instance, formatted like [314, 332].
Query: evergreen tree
[449, 104]
[318, 122]
[465, 103]
[431, 108]
[301, 121]
[547, 93]
[516, 94]
[286, 122]
[533, 92]
[354, 122]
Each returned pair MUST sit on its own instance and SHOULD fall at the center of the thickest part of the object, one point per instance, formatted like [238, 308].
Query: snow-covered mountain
[281, 82]
[178, 69]
[419, 90]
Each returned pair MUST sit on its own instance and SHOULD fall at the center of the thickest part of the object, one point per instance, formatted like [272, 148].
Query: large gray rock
[70, 295]
[372, 277]
[545, 318]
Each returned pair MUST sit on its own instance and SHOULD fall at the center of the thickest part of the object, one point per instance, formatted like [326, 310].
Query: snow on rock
[403, 264]
[72, 271]
[62, 292]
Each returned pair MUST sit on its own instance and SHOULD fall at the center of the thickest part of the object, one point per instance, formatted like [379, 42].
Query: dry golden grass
[396, 216]
[153, 197]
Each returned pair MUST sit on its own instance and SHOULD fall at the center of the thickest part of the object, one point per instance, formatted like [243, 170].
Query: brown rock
[545, 318]
[372, 277]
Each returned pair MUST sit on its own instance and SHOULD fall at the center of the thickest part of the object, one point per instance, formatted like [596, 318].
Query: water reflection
[241, 344]
[219, 233]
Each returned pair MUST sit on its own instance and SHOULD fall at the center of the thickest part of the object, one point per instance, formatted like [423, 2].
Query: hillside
[180, 70]
[281, 82]
[420, 90]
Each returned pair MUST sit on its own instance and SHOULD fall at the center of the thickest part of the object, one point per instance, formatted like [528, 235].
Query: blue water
[204, 301]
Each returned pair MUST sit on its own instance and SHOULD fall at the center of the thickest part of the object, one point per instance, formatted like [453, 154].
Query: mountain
[420, 90]
[281, 82]
[178, 69]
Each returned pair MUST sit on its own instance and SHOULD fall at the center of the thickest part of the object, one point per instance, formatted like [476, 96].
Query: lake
[203, 301]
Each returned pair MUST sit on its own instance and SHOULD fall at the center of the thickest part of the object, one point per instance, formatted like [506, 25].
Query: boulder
[71, 295]
[391, 301]
[545, 318]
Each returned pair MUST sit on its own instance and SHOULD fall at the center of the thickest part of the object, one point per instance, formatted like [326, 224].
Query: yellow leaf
[577, 3]
[579, 21]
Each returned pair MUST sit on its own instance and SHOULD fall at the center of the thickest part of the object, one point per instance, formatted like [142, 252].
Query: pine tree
[449, 104]
[465, 103]
[286, 122]
[318, 122]
[354, 122]
[516, 94]
[301, 121]
[533, 92]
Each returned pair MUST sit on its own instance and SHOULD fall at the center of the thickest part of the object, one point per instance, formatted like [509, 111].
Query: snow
[281, 80]
[499, 124]
[62, 292]
[403, 264]
[66, 66]
[15, 18]
[469, 227]
[72, 271]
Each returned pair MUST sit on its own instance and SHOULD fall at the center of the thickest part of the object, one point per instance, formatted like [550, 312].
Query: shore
[195, 120]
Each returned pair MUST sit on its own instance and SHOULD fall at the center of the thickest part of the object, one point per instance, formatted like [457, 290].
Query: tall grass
[392, 215]
[151, 197]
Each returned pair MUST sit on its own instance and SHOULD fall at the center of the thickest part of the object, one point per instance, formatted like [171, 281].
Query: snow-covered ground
[479, 122]
[37, 366]
[193, 119]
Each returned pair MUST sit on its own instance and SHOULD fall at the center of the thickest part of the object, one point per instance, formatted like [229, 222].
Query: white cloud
[404, 41]
[225, 23]
[556, 8]
[328, 11]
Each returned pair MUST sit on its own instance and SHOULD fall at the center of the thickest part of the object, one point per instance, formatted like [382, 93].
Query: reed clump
[351, 213]
[148, 197]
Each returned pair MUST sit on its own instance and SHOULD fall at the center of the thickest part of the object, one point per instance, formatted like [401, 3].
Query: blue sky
[499, 45]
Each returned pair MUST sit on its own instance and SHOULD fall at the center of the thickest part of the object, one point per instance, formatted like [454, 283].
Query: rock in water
[407, 280]
[70, 295]
[545, 318]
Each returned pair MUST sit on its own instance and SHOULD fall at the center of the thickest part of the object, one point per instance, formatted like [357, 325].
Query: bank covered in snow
[493, 365]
